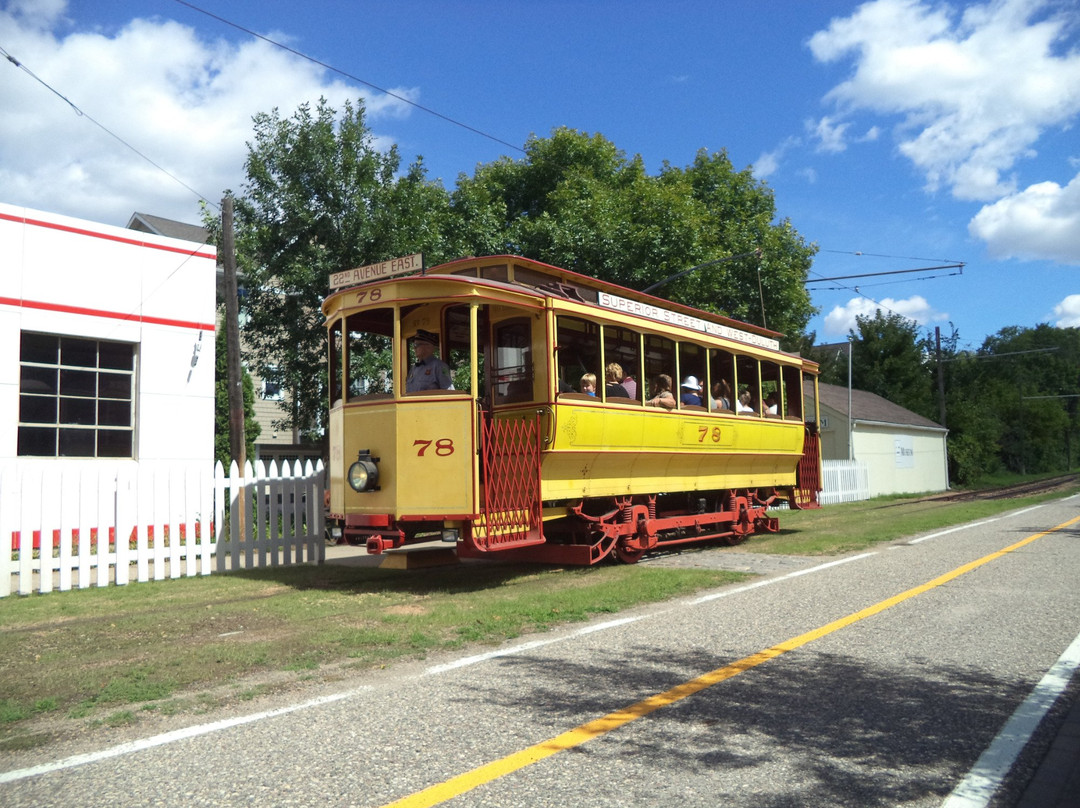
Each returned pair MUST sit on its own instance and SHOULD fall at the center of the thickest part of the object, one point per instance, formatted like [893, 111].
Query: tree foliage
[320, 197]
[577, 201]
[890, 359]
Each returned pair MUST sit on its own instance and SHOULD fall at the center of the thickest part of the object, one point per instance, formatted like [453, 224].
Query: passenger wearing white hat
[691, 391]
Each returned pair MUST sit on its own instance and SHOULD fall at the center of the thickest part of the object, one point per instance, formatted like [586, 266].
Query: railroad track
[1010, 491]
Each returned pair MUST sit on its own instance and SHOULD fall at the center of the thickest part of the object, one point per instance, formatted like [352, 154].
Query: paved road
[878, 679]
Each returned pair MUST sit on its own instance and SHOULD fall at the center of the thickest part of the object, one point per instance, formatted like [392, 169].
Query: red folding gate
[510, 458]
[808, 475]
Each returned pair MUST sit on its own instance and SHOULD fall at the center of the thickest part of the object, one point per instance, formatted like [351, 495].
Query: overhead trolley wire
[100, 125]
[350, 76]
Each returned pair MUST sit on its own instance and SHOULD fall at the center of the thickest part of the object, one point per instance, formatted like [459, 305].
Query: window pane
[76, 443]
[36, 441]
[40, 348]
[114, 385]
[77, 411]
[114, 443]
[114, 413]
[78, 382]
[78, 352]
[37, 409]
[116, 355]
[38, 380]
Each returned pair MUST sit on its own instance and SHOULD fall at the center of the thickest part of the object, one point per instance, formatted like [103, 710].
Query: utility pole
[237, 439]
[940, 378]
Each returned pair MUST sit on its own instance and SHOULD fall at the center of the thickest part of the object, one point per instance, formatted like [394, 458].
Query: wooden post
[237, 438]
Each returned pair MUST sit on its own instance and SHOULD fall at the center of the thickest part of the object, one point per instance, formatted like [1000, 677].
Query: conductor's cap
[427, 336]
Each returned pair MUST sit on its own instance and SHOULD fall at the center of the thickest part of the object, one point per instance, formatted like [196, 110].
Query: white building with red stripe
[106, 343]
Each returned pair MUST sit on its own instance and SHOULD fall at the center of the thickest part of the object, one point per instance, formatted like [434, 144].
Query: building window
[76, 397]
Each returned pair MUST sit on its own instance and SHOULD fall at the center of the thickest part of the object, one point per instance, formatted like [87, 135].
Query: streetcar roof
[551, 281]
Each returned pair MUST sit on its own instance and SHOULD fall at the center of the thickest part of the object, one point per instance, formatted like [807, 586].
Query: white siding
[83, 279]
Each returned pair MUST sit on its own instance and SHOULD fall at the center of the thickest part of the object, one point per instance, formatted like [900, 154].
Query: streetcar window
[691, 363]
[334, 349]
[459, 350]
[793, 397]
[368, 354]
[748, 380]
[513, 368]
[721, 380]
[659, 358]
[578, 352]
[770, 389]
[623, 347]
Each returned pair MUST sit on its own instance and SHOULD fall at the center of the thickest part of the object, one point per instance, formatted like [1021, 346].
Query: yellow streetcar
[461, 409]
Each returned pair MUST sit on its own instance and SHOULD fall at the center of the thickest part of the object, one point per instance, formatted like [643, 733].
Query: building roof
[161, 226]
[870, 407]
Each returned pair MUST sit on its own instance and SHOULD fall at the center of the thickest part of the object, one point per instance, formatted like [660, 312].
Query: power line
[860, 253]
[357, 79]
[99, 125]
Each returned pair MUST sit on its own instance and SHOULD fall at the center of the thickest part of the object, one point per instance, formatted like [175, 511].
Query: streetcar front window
[335, 348]
[369, 363]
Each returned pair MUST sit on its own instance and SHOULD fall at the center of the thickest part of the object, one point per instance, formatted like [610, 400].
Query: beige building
[904, 452]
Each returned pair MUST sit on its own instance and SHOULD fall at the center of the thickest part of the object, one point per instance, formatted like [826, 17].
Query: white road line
[171, 737]
[986, 776]
[728, 592]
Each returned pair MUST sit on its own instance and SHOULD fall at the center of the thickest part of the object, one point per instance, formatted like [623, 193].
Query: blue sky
[896, 134]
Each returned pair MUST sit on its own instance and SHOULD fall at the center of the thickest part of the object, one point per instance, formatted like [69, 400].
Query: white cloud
[769, 162]
[975, 93]
[1040, 222]
[1068, 312]
[183, 101]
[829, 134]
[841, 319]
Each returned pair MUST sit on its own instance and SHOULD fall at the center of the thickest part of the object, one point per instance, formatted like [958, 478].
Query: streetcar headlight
[364, 473]
[451, 534]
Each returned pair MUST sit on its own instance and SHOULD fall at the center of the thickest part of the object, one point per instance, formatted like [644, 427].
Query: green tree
[320, 197]
[577, 201]
[890, 359]
[222, 444]
[1032, 374]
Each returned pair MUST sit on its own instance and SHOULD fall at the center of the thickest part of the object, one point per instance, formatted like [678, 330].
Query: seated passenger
[721, 395]
[613, 388]
[743, 404]
[661, 393]
[630, 385]
[429, 372]
[588, 384]
[772, 402]
[691, 392]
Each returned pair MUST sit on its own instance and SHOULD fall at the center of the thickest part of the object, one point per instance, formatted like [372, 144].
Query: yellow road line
[440, 792]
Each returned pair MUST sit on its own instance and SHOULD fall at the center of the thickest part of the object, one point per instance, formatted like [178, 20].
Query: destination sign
[376, 272]
[651, 312]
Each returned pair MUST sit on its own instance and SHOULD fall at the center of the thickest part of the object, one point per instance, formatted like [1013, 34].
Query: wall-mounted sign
[685, 320]
[904, 448]
[376, 272]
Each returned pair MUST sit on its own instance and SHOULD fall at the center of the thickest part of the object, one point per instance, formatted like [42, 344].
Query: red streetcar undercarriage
[628, 527]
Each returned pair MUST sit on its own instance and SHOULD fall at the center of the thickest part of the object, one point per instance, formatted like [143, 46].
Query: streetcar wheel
[628, 555]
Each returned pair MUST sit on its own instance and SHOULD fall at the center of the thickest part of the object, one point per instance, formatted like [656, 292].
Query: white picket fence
[844, 481]
[77, 526]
